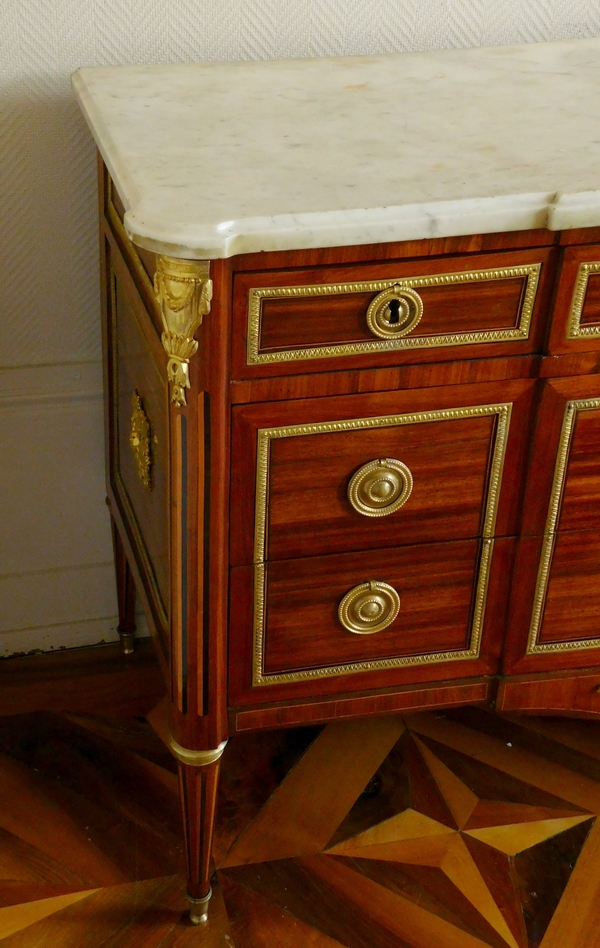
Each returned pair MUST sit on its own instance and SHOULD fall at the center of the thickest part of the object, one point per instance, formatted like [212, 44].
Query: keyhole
[394, 308]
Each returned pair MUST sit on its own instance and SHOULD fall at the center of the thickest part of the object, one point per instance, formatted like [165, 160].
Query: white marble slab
[214, 159]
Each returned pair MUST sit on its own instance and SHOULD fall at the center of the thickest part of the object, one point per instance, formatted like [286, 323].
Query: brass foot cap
[199, 909]
[127, 642]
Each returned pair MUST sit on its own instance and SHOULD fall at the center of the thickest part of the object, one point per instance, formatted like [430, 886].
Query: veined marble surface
[214, 159]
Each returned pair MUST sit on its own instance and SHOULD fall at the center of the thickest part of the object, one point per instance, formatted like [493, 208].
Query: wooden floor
[457, 830]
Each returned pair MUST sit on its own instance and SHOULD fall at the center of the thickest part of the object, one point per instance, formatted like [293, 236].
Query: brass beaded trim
[574, 328]
[520, 332]
[502, 412]
[534, 647]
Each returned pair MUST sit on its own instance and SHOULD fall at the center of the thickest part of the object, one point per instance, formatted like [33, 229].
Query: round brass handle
[394, 312]
[380, 487]
[369, 607]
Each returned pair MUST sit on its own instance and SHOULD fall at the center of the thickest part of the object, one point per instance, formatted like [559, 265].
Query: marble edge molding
[364, 226]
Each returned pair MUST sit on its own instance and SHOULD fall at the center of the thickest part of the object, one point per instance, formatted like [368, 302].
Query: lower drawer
[314, 622]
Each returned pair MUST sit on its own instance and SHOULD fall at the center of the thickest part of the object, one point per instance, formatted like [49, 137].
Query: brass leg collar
[199, 909]
[195, 758]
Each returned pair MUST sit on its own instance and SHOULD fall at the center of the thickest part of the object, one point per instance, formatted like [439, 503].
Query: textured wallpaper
[48, 292]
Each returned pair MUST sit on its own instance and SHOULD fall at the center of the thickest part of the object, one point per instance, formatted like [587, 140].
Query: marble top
[215, 159]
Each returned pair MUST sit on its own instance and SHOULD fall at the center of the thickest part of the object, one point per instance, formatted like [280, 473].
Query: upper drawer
[576, 317]
[331, 475]
[388, 313]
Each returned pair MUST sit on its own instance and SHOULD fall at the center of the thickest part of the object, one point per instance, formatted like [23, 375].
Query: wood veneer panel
[309, 509]
[577, 501]
[568, 617]
[336, 526]
[568, 693]
[302, 323]
[340, 319]
[580, 235]
[572, 608]
[571, 363]
[410, 698]
[428, 247]
[202, 720]
[435, 582]
[242, 694]
[137, 372]
[395, 378]
[581, 494]
[591, 306]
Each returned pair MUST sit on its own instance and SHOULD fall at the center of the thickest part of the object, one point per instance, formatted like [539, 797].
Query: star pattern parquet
[459, 830]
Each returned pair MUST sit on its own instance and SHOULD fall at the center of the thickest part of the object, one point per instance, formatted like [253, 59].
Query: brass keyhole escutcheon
[380, 487]
[394, 312]
[369, 608]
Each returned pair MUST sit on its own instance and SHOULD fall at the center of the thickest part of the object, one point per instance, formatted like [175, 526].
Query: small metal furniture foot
[199, 909]
[127, 642]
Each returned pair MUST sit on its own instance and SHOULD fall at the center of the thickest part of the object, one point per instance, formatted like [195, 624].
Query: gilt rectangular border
[517, 333]
[574, 328]
[265, 436]
[534, 646]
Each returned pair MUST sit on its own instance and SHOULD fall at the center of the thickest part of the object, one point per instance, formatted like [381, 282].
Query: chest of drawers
[352, 466]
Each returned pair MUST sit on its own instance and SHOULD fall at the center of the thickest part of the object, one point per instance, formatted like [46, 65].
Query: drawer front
[398, 615]
[386, 313]
[304, 634]
[366, 472]
[576, 316]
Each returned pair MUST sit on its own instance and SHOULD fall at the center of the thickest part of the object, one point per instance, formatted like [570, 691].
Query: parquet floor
[456, 830]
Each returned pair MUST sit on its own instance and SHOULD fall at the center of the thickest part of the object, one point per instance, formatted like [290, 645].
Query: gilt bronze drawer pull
[369, 607]
[394, 312]
[380, 487]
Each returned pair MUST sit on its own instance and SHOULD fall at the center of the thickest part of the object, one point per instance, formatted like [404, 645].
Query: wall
[56, 584]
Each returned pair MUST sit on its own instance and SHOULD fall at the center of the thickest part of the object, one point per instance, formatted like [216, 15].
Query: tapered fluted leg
[125, 594]
[198, 780]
